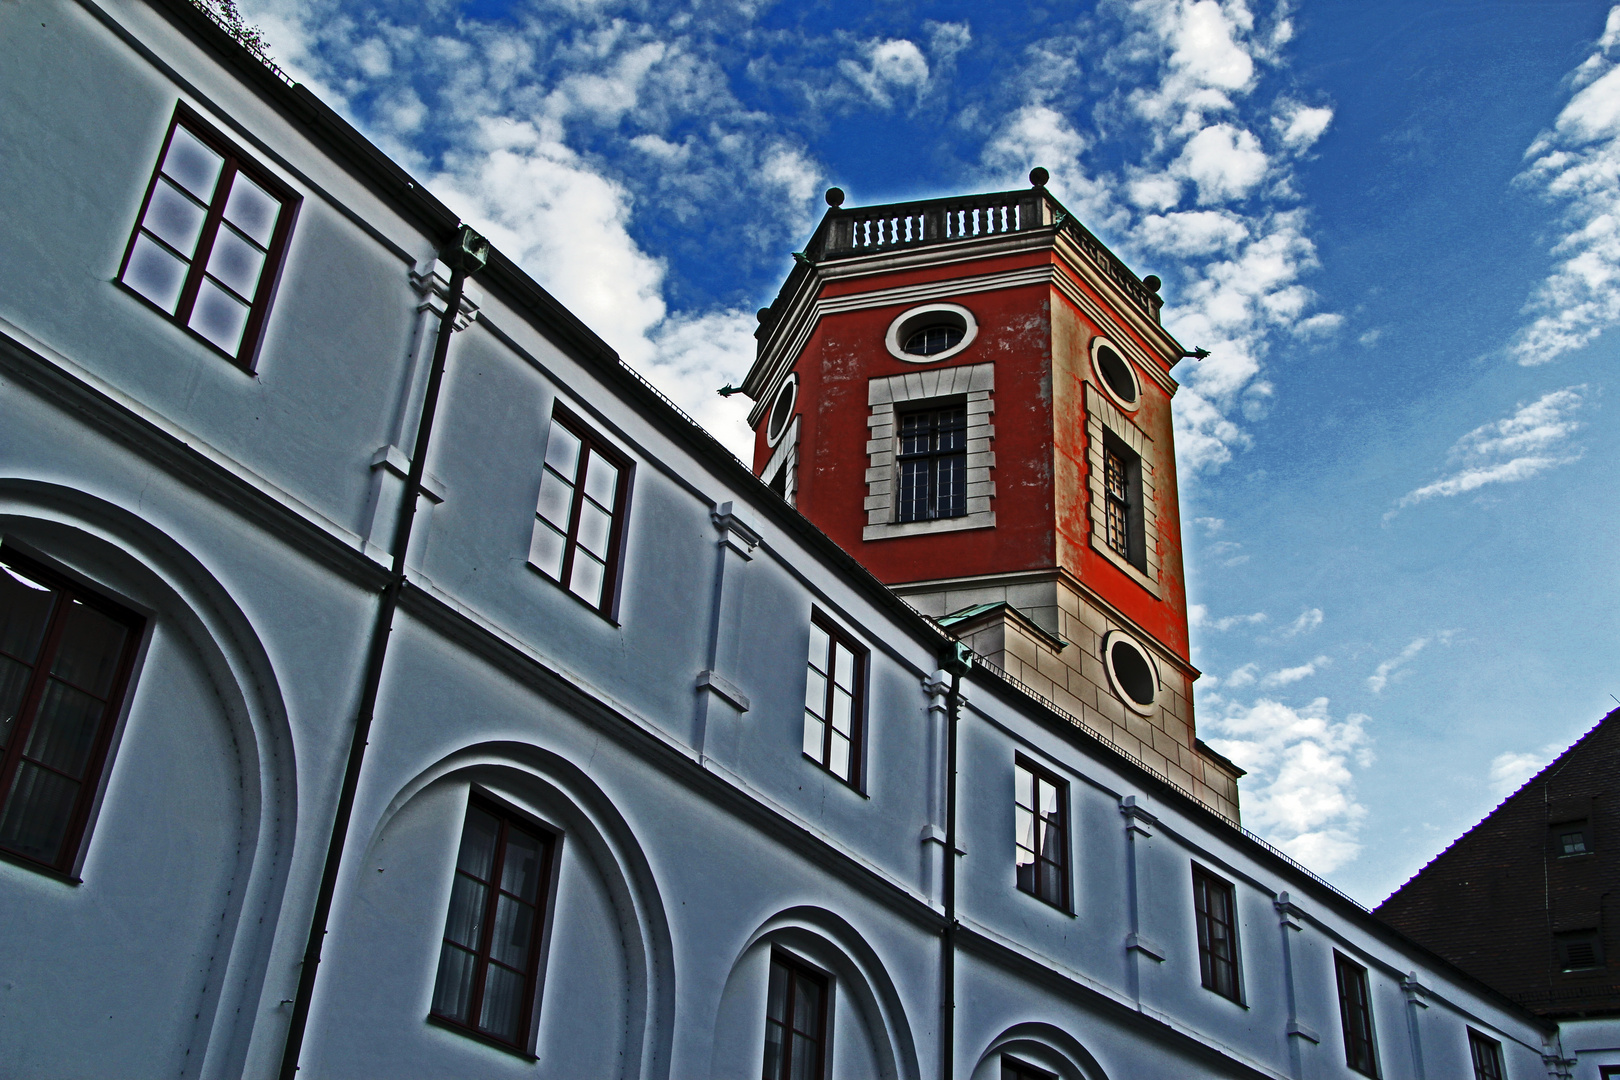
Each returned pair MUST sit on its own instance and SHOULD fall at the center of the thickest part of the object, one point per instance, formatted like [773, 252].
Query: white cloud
[1299, 126]
[1225, 162]
[1576, 164]
[889, 67]
[1533, 439]
[1198, 615]
[1387, 670]
[1370, 338]
[1300, 791]
[1294, 674]
[1196, 232]
[1243, 676]
[1510, 769]
[1212, 525]
[1308, 620]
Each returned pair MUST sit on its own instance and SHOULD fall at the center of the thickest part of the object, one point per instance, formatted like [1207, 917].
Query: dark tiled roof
[1497, 901]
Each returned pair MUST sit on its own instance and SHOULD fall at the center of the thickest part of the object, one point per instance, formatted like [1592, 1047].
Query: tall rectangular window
[579, 522]
[1217, 934]
[1041, 846]
[1355, 1014]
[490, 955]
[933, 463]
[65, 658]
[1122, 489]
[1487, 1055]
[795, 1021]
[833, 706]
[210, 238]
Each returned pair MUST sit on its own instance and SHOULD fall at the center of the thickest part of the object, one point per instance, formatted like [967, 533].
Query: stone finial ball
[835, 197]
[1039, 176]
[1151, 283]
[762, 314]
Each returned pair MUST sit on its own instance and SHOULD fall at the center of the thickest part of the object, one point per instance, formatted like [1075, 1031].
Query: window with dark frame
[490, 955]
[1122, 493]
[1355, 1014]
[1217, 934]
[795, 1020]
[1013, 1069]
[1487, 1055]
[933, 463]
[1571, 838]
[210, 238]
[833, 700]
[1042, 824]
[579, 521]
[65, 659]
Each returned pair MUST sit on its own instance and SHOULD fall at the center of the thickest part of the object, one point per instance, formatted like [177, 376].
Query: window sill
[984, 519]
[478, 1036]
[1059, 908]
[850, 784]
[1239, 1002]
[43, 869]
[1126, 567]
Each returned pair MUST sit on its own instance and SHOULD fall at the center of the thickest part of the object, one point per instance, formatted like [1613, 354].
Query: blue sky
[1396, 226]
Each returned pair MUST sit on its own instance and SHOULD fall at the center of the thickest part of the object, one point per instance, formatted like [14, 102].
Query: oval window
[1117, 374]
[1132, 672]
[931, 333]
[932, 339]
[782, 410]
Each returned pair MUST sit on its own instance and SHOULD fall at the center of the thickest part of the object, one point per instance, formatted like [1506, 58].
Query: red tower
[972, 397]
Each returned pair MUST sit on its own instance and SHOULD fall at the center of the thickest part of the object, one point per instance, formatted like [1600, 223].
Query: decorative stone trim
[1102, 415]
[1114, 637]
[917, 317]
[974, 383]
[786, 456]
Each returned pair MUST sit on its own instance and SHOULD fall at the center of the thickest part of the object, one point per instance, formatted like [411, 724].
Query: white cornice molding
[788, 338]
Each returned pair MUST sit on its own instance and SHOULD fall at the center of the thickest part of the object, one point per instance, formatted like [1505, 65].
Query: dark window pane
[25, 605]
[63, 734]
[477, 855]
[503, 1003]
[452, 994]
[13, 686]
[514, 925]
[90, 649]
[468, 901]
[520, 870]
[37, 812]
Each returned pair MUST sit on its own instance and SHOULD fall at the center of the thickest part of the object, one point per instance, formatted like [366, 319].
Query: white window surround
[1097, 343]
[789, 389]
[1101, 414]
[972, 384]
[785, 457]
[1115, 637]
[917, 318]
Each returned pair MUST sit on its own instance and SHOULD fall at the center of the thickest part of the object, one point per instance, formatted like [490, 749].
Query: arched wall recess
[1042, 1045]
[558, 792]
[828, 941]
[108, 543]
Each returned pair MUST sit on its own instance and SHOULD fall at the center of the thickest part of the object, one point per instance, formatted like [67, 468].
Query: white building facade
[588, 836]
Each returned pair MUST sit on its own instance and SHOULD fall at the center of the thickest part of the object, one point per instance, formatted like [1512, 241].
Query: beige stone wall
[1073, 677]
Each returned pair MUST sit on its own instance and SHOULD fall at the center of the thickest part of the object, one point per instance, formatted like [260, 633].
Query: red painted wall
[1039, 343]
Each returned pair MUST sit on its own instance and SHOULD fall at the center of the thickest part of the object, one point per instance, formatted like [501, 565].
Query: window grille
[933, 464]
[795, 1021]
[1117, 487]
[1217, 934]
[65, 659]
[210, 238]
[1041, 845]
[490, 954]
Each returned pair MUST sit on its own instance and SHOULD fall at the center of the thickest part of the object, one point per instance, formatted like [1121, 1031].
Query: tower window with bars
[933, 463]
[1122, 492]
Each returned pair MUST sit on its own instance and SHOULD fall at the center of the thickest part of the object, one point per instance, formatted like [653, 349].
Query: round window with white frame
[1116, 374]
[776, 423]
[1132, 672]
[931, 333]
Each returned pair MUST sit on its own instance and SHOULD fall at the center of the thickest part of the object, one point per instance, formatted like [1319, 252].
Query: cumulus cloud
[1300, 791]
[1243, 676]
[887, 68]
[1224, 161]
[1308, 620]
[1535, 437]
[1576, 165]
[1194, 232]
[1299, 126]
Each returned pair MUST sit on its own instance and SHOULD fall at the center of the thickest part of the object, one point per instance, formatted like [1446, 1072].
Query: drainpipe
[465, 255]
[957, 663]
